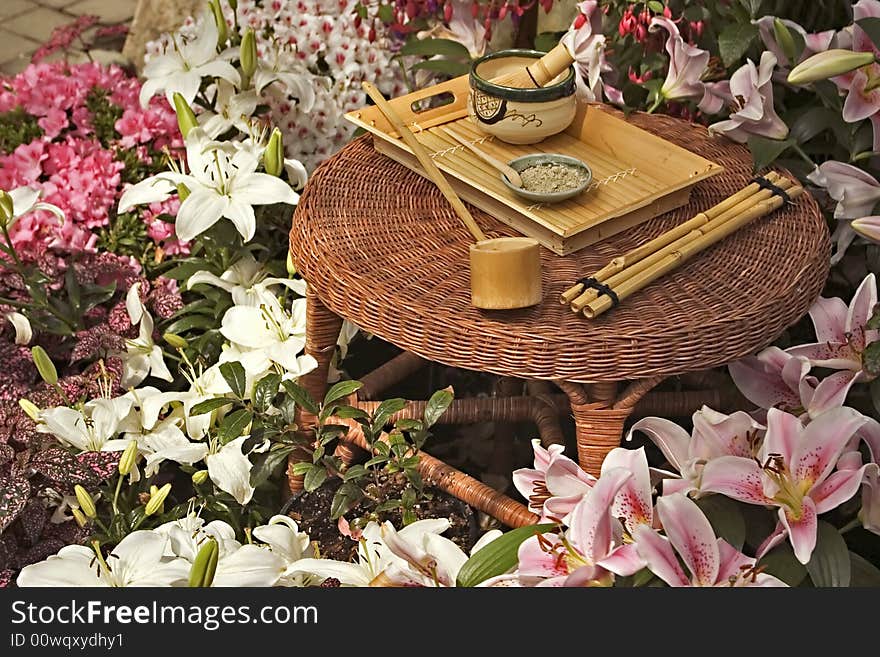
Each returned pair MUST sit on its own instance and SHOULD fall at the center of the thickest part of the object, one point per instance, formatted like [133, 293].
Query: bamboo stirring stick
[675, 259]
[646, 249]
[581, 302]
[507, 170]
[425, 160]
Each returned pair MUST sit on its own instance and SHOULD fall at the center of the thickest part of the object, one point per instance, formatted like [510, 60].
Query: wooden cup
[506, 273]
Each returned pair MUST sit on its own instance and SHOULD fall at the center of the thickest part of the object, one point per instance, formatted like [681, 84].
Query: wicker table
[378, 245]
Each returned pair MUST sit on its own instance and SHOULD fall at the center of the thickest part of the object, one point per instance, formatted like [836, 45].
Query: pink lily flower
[711, 561]
[841, 331]
[687, 63]
[586, 43]
[777, 379]
[752, 90]
[794, 472]
[592, 549]
[555, 485]
[813, 43]
[856, 193]
[870, 512]
[714, 435]
[863, 84]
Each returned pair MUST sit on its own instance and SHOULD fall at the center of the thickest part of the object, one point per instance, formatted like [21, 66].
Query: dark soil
[312, 513]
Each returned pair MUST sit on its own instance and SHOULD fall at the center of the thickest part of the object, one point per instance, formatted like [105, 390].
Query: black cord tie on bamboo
[763, 183]
[591, 283]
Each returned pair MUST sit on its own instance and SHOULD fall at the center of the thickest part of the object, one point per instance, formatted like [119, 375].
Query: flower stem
[116, 495]
[852, 524]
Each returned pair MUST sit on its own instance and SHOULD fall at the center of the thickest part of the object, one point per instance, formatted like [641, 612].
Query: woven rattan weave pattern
[380, 246]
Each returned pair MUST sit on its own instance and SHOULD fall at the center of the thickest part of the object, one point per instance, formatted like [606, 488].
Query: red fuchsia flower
[794, 472]
[639, 79]
[711, 561]
[753, 113]
[714, 435]
[778, 379]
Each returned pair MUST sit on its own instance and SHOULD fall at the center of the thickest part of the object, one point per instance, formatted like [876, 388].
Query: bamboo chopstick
[650, 252]
[705, 238]
[425, 160]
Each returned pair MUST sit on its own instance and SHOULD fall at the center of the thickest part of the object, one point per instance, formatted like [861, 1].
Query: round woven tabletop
[381, 247]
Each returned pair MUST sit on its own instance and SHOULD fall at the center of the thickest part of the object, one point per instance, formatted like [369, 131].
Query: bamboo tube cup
[577, 291]
[505, 272]
[699, 243]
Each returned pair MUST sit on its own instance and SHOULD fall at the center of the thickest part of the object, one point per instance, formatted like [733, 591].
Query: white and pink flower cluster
[322, 53]
[67, 163]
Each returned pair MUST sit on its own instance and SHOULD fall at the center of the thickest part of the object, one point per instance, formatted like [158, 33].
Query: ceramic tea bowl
[519, 116]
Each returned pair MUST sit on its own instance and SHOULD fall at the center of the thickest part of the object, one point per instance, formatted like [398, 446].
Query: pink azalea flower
[555, 485]
[794, 472]
[711, 561]
[856, 193]
[687, 63]
[714, 435]
[777, 379]
[752, 90]
[841, 331]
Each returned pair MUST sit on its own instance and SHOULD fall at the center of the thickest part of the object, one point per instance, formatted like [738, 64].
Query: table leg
[599, 417]
[322, 332]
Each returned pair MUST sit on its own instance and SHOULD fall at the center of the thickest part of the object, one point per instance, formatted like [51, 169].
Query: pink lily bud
[828, 64]
[868, 227]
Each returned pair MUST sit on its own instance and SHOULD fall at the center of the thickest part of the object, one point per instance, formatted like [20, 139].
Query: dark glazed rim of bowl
[539, 95]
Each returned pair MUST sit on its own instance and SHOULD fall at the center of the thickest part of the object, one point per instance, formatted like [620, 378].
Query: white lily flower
[230, 470]
[166, 442]
[182, 69]
[237, 564]
[138, 560]
[232, 110]
[297, 83]
[93, 429]
[26, 200]
[247, 281]
[257, 364]
[143, 356]
[284, 538]
[220, 185]
[375, 558]
[269, 329]
[23, 331]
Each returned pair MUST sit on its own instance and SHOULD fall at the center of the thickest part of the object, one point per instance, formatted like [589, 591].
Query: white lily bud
[7, 209]
[128, 458]
[32, 410]
[157, 499]
[220, 20]
[174, 340]
[273, 156]
[784, 39]
[45, 366]
[200, 477]
[291, 266]
[205, 565]
[81, 520]
[86, 503]
[248, 54]
[828, 64]
[186, 118]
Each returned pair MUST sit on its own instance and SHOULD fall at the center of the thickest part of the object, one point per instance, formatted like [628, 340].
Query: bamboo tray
[636, 175]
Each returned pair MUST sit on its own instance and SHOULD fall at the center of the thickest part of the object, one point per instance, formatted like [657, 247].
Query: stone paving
[26, 24]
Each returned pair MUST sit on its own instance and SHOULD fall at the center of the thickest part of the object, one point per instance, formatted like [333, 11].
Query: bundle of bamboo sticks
[634, 270]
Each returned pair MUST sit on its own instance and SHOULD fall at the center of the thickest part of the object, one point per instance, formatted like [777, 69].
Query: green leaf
[811, 123]
[355, 472]
[437, 406]
[409, 498]
[432, 47]
[735, 40]
[752, 6]
[781, 563]
[830, 563]
[547, 41]
[191, 322]
[385, 410]
[385, 13]
[655, 6]
[340, 390]
[234, 424]
[301, 468]
[347, 495]
[726, 518]
[499, 556]
[301, 396]
[871, 26]
[211, 405]
[864, 573]
[233, 373]
[874, 321]
[351, 413]
[765, 151]
[266, 464]
[314, 477]
[448, 67]
[871, 359]
[376, 460]
[265, 390]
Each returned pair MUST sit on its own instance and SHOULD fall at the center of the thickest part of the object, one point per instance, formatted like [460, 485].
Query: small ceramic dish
[520, 164]
[514, 115]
